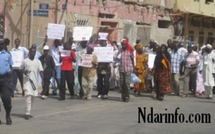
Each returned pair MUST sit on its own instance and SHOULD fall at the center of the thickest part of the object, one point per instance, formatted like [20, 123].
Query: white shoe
[105, 96]
[172, 93]
[99, 96]
[43, 97]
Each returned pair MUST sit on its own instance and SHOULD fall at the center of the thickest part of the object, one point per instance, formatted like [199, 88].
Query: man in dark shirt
[48, 64]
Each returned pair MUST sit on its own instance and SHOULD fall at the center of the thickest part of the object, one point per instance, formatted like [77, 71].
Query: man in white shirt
[16, 72]
[54, 51]
[31, 67]
[81, 50]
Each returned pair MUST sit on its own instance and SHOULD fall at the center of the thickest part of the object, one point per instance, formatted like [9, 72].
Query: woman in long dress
[162, 72]
[200, 84]
[140, 68]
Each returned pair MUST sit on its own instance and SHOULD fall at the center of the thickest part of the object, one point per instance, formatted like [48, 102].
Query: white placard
[65, 53]
[17, 57]
[82, 33]
[151, 60]
[104, 54]
[103, 36]
[87, 60]
[55, 31]
[135, 58]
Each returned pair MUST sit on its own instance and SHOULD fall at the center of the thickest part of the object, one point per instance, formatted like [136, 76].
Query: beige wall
[18, 22]
[196, 33]
[196, 7]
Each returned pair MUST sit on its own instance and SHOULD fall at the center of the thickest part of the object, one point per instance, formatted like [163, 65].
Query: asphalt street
[111, 116]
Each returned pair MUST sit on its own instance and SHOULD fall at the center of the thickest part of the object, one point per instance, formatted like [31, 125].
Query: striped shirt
[125, 61]
[176, 59]
[192, 59]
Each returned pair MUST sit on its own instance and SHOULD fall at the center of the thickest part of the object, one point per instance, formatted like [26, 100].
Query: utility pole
[4, 13]
[56, 10]
[31, 23]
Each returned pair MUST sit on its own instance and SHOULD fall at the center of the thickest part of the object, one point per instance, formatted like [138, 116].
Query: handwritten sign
[17, 57]
[151, 59]
[87, 60]
[103, 36]
[55, 31]
[82, 33]
[65, 53]
[104, 54]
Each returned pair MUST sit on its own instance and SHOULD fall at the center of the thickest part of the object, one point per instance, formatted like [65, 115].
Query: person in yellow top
[141, 67]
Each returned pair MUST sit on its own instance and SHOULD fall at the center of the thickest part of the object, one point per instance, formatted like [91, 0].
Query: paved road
[106, 116]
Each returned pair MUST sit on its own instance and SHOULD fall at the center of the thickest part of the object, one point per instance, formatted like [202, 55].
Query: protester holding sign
[16, 71]
[89, 72]
[81, 50]
[103, 73]
[67, 72]
[54, 51]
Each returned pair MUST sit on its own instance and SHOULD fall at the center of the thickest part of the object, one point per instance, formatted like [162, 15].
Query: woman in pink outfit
[200, 85]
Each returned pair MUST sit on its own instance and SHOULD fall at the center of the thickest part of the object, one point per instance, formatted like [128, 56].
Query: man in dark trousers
[126, 67]
[49, 70]
[82, 49]
[67, 72]
[6, 80]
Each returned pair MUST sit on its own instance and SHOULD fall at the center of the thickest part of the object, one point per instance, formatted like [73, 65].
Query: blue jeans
[56, 78]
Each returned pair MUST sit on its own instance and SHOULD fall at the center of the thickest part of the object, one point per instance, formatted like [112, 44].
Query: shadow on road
[17, 115]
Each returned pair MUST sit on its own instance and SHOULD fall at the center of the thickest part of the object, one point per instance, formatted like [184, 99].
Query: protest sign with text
[65, 53]
[82, 33]
[104, 54]
[103, 36]
[17, 57]
[55, 31]
[87, 60]
[151, 60]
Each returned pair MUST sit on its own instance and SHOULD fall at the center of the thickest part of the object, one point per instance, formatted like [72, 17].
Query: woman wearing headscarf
[140, 68]
[162, 72]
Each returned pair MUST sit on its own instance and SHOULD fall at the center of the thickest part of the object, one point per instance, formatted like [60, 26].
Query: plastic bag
[134, 79]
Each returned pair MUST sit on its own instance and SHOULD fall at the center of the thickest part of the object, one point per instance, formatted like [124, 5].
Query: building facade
[197, 20]
[146, 19]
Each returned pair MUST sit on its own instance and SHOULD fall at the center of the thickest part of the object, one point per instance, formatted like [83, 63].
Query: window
[191, 32]
[210, 34]
[80, 22]
[201, 33]
[164, 24]
[110, 16]
[191, 36]
[201, 40]
[209, 1]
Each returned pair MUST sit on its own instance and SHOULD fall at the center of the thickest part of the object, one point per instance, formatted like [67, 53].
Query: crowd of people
[171, 61]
